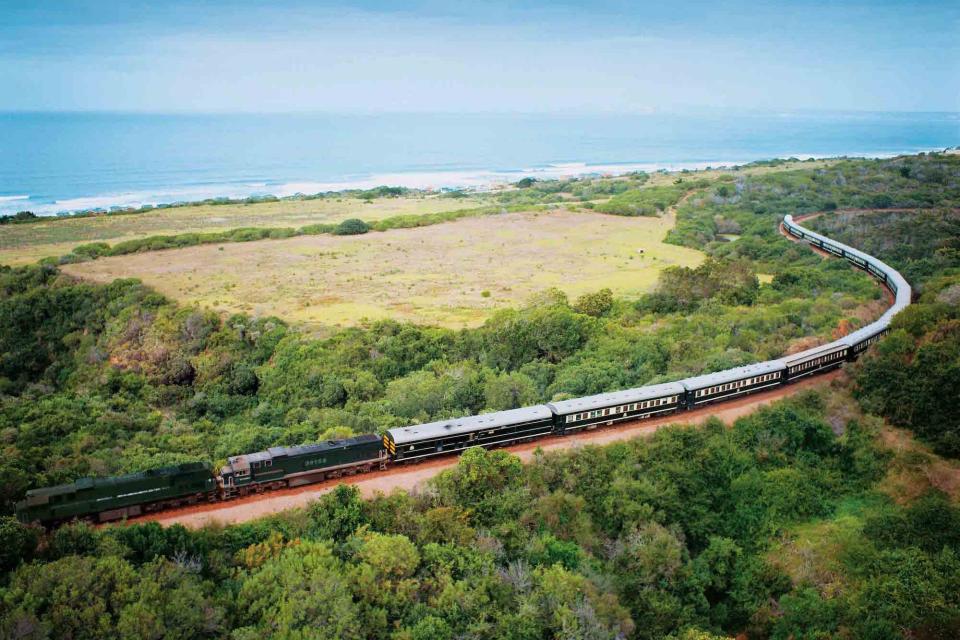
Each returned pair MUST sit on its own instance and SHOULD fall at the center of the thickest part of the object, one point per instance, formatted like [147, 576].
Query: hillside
[819, 516]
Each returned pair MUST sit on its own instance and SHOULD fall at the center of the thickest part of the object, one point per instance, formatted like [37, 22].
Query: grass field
[434, 275]
[25, 243]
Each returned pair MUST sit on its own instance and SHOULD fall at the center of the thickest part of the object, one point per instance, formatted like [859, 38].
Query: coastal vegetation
[909, 376]
[32, 237]
[812, 518]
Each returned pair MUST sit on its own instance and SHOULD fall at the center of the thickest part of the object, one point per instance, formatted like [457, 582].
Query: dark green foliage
[920, 244]
[85, 597]
[757, 202]
[594, 304]
[525, 183]
[684, 289]
[806, 616]
[338, 514]
[931, 523]
[351, 227]
[653, 538]
[911, 375]
[649, 201]
[17, 543]
[20, 217]
[484, 483]
[645, 538]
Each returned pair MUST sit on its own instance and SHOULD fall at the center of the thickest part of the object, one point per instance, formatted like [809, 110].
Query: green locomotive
[105, 499]
[295, 466]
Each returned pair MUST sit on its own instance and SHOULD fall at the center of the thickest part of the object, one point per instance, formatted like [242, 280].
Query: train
[131, 495]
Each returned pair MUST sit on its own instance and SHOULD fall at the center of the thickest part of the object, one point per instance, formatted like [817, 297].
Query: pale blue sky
[630, 56]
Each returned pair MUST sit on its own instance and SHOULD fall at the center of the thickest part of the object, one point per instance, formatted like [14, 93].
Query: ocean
[62, 162]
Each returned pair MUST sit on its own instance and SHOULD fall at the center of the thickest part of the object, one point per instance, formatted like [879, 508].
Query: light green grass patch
[430, 275]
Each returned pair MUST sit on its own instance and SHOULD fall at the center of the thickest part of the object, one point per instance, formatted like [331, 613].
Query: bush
[351, 227]
[92, 250]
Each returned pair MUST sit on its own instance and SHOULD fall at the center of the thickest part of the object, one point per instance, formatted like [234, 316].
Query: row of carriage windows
[809, 364]
[709, 391]
[869, 341]
[612, 411]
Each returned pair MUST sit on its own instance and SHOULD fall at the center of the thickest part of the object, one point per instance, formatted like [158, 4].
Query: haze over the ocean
[624, 82]
[438, 55]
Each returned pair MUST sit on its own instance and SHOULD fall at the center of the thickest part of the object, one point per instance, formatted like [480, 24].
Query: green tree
[481, 483]
[17, 543]
[301, 594]
[509, 391]
[338, 514]
[595, 304]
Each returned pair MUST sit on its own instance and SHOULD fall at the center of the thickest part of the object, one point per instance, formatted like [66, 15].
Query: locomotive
[131, 495]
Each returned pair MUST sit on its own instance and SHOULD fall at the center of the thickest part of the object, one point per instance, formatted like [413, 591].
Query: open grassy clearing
[26, 243]
[435, 275]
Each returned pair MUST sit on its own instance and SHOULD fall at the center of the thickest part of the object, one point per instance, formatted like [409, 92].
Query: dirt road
[409, 477]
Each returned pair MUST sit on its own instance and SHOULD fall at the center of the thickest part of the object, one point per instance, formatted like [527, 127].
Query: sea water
[59, 162]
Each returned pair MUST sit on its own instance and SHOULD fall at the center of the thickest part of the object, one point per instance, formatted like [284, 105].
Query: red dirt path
[409, 477]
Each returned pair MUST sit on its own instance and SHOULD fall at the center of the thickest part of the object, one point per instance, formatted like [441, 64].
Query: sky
[521, 56]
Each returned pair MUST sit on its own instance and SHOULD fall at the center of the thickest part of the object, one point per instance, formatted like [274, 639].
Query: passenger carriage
[607, 408]
[858, 341]
[455, 434]
[724, 385]
[816, 360]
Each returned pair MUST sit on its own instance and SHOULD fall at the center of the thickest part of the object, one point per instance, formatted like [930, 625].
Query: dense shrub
[351, 227]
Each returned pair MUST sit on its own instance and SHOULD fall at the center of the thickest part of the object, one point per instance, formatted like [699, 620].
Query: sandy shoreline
[478, 180]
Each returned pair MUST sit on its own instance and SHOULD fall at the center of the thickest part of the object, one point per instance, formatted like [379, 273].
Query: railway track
[408, 477]
[255, 484]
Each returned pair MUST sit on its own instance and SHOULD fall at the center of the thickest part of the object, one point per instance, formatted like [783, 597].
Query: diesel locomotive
[134, 494]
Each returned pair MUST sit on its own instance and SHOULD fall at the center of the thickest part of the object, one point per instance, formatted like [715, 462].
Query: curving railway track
[236, 493]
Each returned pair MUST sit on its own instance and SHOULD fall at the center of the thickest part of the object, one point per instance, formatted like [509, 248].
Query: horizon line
[685, 110]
